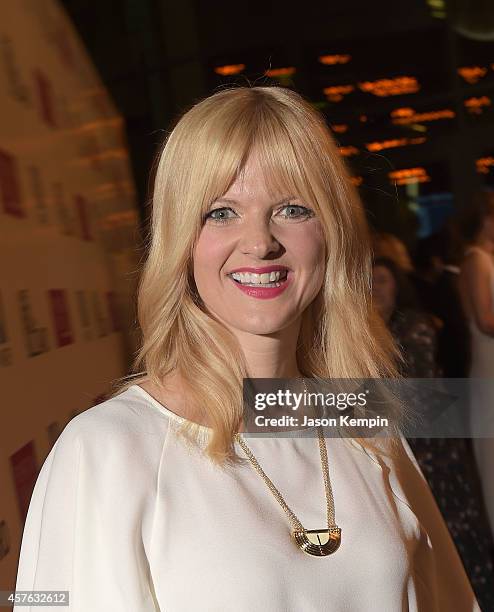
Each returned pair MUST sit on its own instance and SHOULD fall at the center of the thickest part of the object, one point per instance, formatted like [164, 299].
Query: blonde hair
[340, 337]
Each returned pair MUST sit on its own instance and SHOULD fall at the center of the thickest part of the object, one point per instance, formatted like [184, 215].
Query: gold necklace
[314, 542]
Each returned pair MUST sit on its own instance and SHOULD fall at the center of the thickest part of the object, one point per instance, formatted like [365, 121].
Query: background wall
[68, 255]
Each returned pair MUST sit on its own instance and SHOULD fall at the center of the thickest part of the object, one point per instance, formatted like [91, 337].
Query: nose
[257, 239]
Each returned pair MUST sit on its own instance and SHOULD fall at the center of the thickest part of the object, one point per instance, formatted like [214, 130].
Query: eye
[219, 215]
[296, 211]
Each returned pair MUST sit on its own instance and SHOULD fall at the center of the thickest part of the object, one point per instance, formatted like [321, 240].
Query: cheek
[310, 251]
[389, 292]
[209, 254]
[385, 293]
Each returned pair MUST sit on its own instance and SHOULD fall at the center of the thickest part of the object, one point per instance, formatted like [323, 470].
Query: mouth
[263, 285]
[267, 279]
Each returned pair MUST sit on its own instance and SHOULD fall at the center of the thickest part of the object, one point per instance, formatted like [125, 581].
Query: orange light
[229, 69]
[331, 60]
[393, 143]
[278, 72]
[409, 176]
[403, 112]
[472, 74]
[356, 180]
[407, 172]
[400, 117]
[363, 118]
[340, 128]
[336, 92]
[484, 164]
[391, 87]
[349, 151]
[475, 105]
[412, 181]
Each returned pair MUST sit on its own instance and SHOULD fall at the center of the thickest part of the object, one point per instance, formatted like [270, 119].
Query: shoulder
[92, 508]
[114, 447]
[475, 258]
[123, 423]
[406, 479]
[393, 450]
[128, 411]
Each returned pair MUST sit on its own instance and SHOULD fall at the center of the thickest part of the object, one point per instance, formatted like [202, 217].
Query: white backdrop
[68, 258]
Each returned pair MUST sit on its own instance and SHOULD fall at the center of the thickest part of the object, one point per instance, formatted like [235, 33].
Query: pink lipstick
[266, 290]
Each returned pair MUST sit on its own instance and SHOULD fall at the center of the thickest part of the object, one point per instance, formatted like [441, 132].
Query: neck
[271, 355]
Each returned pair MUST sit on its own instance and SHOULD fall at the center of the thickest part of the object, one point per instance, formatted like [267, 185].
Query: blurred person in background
[393, 248]
[477, 292]
[389, 245]
[397, 303]
[436, 281]
[447, 463]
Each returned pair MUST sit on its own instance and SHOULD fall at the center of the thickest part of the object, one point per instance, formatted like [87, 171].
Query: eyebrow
[229, 201]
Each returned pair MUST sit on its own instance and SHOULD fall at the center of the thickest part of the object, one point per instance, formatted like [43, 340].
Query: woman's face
[383, 291]
[281, 243]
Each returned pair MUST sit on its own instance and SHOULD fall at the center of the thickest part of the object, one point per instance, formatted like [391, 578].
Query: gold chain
[294, 521]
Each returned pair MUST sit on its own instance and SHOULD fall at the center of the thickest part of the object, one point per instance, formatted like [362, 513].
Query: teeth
[258, 279]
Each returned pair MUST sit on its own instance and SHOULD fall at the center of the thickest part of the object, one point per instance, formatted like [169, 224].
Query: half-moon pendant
[318, 542]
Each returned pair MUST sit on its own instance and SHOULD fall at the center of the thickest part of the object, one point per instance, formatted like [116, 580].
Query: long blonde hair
[340, 337]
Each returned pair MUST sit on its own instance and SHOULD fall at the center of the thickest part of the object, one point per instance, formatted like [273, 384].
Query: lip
[261, 270]
[265, 293]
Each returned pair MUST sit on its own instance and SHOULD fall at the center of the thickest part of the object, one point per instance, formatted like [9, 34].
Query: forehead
[252, 182]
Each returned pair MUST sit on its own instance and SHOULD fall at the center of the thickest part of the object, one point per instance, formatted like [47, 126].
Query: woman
[412, 329]
[436, 280]
[477, 293]
[150, 500]
[447, 463]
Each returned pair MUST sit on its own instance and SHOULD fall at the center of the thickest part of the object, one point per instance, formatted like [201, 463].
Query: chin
[261, 326]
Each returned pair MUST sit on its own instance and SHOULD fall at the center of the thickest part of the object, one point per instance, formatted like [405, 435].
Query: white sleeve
[81, 534]
[449, 581]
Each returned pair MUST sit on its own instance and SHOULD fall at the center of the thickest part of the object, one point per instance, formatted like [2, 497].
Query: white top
[127, 517]
[481, 408]
[482, 345]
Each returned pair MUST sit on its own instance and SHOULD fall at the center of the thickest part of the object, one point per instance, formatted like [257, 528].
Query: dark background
[157, 58]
